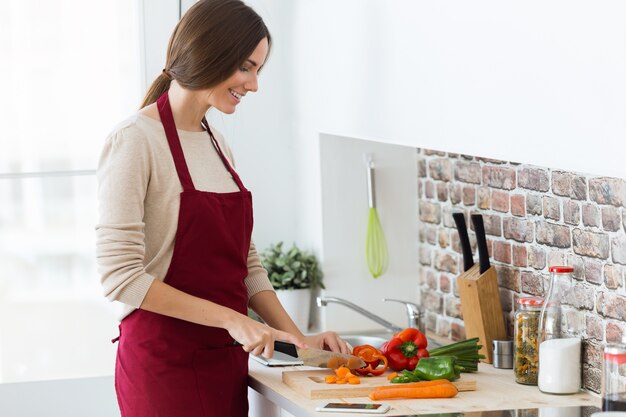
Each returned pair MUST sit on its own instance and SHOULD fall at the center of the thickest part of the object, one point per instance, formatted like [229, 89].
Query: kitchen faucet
[414, 313]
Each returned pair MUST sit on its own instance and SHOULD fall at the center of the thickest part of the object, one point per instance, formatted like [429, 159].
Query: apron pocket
[222, 381]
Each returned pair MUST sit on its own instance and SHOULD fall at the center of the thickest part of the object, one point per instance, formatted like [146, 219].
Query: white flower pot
[297, 304]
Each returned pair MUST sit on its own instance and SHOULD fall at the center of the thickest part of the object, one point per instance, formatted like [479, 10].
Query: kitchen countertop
[496, 390]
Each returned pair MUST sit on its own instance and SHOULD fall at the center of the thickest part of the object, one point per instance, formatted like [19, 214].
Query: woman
[174, 232]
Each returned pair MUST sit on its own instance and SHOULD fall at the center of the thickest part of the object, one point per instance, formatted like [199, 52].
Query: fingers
[334, 343]
[266, 350]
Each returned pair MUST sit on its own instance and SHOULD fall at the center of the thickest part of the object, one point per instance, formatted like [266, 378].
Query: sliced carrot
[330, 379]
[392, 376]
[342, 381]
[436, 391]
[342, 372]
[353, 380]
[420, 384]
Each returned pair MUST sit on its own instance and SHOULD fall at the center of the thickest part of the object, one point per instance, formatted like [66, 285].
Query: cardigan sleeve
[123, 175]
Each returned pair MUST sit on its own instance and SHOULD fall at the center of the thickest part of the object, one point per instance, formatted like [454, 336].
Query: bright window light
[70, 71]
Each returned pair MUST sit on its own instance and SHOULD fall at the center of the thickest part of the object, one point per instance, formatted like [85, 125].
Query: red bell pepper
[405, 349]
[372, 358]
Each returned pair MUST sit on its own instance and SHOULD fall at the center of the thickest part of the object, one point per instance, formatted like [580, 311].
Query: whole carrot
[420, 384]
[436, 391]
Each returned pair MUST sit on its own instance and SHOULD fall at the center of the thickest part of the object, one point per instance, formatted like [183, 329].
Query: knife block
[481, 307]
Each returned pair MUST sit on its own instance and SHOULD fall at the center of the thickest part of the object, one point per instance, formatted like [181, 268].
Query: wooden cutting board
[311, 384]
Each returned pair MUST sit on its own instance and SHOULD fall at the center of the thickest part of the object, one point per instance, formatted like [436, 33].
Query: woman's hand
[258, 338]
[329, 341]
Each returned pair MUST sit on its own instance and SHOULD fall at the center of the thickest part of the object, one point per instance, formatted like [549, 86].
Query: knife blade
[468, 259]
[318, 357]
[481, 241]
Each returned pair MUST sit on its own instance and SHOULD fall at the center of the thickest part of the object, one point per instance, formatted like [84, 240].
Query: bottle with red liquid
[614, 378]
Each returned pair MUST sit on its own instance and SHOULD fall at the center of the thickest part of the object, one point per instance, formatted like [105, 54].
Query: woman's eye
[244, 69]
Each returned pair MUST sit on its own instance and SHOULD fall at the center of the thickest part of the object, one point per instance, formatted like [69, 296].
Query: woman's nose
[252, 84]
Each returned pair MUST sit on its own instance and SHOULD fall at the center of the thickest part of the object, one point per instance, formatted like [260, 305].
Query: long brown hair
[208, 45]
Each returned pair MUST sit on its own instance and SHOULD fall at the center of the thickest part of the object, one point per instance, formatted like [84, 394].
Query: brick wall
[534, 217]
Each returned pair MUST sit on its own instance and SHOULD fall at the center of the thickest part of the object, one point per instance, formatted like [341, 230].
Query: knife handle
[481, 241]
[468, 260]
[280, 346]
[286, 348]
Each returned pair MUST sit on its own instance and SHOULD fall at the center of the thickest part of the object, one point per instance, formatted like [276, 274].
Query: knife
[468, 260]
[318, 357]
[481, 241]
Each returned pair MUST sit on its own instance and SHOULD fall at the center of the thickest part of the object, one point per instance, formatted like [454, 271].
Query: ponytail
[159, 86]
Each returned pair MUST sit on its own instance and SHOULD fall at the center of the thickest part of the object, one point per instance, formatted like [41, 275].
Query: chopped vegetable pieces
[342, 376]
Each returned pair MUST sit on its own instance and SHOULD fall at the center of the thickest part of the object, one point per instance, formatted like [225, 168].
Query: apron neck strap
[167, 119]
[230, 169]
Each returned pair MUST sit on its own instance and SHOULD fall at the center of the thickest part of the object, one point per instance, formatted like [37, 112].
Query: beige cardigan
[138, 196]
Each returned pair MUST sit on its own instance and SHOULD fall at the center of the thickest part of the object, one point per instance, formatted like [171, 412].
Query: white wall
[540, 82]
[536, 81]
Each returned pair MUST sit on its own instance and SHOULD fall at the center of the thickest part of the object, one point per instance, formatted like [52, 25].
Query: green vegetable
[404, 377]
[430, 369]
[465, 352]
[441, 367]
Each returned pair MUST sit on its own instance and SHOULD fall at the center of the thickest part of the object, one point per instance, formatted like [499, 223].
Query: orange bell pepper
[372, 357]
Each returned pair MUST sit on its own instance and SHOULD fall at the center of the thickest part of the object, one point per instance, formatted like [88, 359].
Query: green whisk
[375, 244]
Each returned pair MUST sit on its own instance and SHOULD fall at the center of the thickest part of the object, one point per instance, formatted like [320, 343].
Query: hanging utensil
[375, 245]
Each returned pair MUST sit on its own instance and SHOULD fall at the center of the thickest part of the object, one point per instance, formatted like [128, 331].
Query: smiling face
[226, 95]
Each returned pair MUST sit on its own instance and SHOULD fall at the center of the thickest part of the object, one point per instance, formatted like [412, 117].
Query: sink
[358, 340]
[376, 341]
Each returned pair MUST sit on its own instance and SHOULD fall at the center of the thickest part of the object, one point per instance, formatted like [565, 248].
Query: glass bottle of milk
[559, 337]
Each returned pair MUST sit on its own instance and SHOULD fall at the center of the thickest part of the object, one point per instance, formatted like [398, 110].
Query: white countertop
[95, 397]
[496, 390]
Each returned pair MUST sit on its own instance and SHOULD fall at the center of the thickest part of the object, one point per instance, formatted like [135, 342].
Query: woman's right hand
[258, 338]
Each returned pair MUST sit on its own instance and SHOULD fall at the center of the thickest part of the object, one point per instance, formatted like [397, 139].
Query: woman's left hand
[328, 341]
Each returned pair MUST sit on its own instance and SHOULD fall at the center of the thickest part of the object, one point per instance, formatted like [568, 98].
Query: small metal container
[503, 354]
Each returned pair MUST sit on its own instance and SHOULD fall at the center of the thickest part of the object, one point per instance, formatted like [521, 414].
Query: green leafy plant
[292, 269]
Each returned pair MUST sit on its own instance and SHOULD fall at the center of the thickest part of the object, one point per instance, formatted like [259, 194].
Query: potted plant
[293, 274]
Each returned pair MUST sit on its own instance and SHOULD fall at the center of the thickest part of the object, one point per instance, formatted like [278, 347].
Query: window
[71, 71]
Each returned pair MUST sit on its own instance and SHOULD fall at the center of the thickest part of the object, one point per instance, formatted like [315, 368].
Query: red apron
[170, 367]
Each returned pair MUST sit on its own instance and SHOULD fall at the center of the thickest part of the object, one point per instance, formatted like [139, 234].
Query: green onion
[465, 352]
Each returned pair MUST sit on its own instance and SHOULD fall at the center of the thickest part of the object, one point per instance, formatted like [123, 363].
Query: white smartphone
[354, 408]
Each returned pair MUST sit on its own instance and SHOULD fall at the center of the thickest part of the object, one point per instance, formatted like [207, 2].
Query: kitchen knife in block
[481, 242]
[481, 308]
[468, 260]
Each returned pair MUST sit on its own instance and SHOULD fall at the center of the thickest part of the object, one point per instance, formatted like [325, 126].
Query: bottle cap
[615, 352]
[561, 269]
[530, 301]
